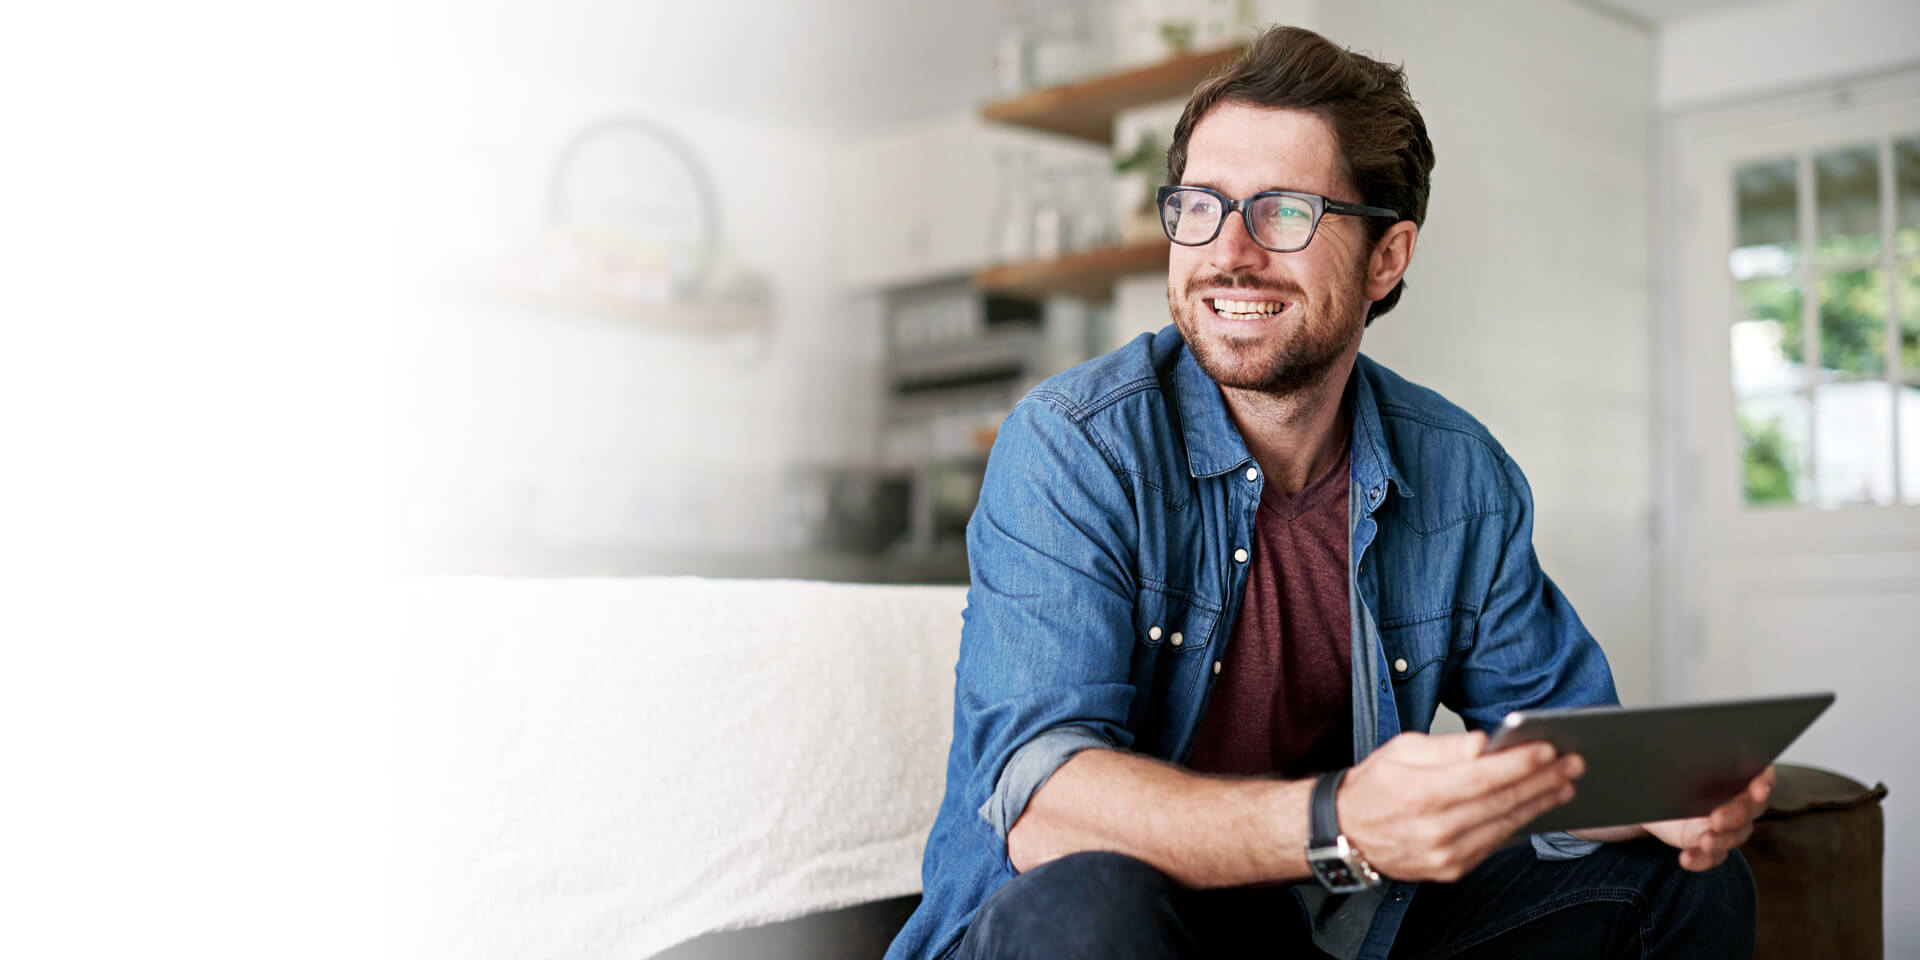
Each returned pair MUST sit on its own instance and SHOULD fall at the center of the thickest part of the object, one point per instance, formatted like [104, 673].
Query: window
[1826, 337]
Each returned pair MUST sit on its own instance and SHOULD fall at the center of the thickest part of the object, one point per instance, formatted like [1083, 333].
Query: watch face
[1336, 874]
[1342, 874]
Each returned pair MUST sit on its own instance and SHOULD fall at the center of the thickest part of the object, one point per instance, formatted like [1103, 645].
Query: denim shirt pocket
[1415, 644]
[1171, 661]
[1172, 621]
[1419, 657]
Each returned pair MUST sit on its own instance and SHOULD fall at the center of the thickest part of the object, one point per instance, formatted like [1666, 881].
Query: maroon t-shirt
[1284, 701]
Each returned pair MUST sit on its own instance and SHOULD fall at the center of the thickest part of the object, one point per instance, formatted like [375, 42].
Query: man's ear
[1390, 259]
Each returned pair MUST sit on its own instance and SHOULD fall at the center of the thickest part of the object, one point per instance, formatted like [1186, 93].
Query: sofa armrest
[1816, 856]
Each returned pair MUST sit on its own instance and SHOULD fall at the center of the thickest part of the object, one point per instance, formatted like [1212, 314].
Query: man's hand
[1431, 807]
[1704, 842]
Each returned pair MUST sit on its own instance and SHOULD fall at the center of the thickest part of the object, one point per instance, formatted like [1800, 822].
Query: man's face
[1289, 316]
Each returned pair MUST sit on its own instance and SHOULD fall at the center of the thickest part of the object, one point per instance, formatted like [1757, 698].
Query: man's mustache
[1285, 291]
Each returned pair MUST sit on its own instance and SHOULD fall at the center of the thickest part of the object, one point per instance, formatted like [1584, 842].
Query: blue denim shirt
[1118, 499]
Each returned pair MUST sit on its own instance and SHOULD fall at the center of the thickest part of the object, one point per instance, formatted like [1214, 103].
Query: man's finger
[1508, 768]
[1483, 836]
[1438, 749]
[1471, 745]
[1696, 861]
[1508, 808]
[1711, 849]
[1724, 841]
[1730, 815]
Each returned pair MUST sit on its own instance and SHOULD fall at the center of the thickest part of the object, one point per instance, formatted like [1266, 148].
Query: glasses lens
[1190, 216]
[1281, 223]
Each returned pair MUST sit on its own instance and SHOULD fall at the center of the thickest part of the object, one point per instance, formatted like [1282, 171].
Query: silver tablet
[1660, 763]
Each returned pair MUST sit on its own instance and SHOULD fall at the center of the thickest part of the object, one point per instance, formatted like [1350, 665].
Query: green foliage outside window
[1852, 311]
[1769, 469]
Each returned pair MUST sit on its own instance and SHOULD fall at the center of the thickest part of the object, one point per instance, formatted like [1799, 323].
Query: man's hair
[1382, 138]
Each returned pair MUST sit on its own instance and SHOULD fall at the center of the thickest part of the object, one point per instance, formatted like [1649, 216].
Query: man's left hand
[1704, 842]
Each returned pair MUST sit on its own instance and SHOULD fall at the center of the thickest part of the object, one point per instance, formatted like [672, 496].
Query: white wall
[1736, 52]
[1527, 300]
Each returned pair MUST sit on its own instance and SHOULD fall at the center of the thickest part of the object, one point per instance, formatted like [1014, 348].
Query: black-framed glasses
[1282, 221]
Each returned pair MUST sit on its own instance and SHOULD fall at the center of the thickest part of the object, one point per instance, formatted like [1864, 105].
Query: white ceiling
[838, 67]
[834, 66]
[1658, 12]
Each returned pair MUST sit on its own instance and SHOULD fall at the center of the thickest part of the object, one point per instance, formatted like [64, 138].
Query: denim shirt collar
[1214, 444]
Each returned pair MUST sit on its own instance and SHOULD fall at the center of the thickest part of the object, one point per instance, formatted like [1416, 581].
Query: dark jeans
[1625, 900]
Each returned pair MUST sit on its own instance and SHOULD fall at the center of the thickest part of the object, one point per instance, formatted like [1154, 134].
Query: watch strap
[1323, 827]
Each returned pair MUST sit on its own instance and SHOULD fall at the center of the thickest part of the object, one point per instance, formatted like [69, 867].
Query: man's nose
[1234, 251]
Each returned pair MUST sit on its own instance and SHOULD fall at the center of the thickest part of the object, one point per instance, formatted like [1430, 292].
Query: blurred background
[744, 288]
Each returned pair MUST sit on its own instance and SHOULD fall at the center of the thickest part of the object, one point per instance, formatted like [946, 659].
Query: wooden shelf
[1089, 275]
[1086, 109]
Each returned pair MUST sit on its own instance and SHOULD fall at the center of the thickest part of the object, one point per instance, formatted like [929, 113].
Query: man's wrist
[1335, 861]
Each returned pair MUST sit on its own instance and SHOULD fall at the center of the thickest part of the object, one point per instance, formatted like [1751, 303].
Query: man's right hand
[1431, 807]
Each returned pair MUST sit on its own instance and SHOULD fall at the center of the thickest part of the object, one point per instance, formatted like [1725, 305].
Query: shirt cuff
[1030, 767]
[1561, 845]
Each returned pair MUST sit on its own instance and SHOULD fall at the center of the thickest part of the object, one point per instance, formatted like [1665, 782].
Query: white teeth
[1253, 307]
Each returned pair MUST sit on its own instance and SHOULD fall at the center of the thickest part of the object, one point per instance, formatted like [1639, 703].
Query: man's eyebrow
[1214, 186]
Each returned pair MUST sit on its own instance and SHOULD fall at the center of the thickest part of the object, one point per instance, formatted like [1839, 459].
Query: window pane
[1855, 443]
[1761, 362]
[1846, 193]
[1906, 167]
[1853, 321]
[1766, 197]
[1773, 303]
[1909, 294]
[1910, 444]
[1773, 447]
[1769, 342]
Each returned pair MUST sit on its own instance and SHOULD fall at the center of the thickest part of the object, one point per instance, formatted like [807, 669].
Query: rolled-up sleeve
[1028, 770]
[1045, 651]
[1530, 649]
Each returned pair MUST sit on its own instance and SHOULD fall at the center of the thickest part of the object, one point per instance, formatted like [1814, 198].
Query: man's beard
[1294, 357]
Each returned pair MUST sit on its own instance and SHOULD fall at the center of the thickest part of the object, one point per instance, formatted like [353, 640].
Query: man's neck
[1295, 437]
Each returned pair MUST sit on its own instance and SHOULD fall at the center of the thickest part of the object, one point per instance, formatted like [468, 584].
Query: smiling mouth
[1245, 309]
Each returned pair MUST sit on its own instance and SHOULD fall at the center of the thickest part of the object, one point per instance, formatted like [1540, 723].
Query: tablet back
[1660, 763]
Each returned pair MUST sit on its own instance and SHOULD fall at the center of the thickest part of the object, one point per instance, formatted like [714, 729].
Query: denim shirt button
[1153, 633]
[1176, 639]
[1240, 555]
[1252, 474]
[1400, 666]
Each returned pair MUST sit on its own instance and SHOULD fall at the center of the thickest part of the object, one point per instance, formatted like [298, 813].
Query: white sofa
[602, 768]
[608, 768]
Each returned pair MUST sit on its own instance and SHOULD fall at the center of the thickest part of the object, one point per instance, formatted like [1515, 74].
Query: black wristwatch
[1335, 863]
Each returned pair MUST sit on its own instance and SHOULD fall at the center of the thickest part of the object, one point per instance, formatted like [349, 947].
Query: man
[1222, 578]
